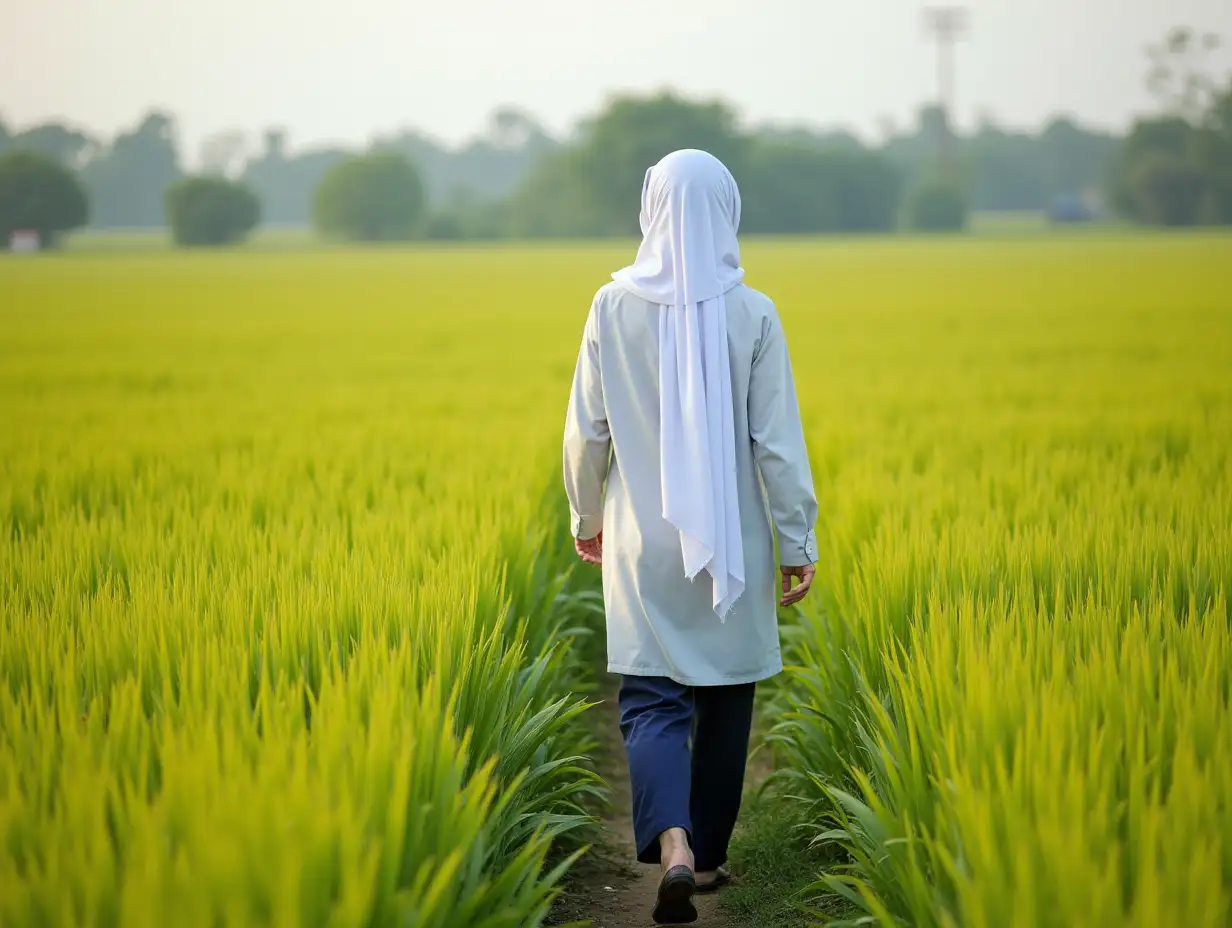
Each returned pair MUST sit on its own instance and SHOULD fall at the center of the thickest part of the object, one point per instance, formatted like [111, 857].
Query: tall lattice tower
[946, 25]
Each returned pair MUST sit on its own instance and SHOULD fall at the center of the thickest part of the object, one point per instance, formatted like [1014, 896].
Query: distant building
[24, 241]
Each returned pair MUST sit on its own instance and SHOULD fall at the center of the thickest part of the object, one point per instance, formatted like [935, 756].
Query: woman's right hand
[590, 550]
[792, 595]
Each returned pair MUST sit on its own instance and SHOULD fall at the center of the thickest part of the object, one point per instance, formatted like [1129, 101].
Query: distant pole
[946, 25]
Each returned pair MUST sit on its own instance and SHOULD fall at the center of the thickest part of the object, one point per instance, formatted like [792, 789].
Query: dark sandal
[675, 903]
[722, 876]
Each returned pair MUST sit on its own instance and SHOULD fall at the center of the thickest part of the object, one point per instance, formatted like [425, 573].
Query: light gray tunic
[659, 623]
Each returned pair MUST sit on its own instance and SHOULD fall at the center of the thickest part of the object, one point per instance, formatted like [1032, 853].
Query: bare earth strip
[610, 888]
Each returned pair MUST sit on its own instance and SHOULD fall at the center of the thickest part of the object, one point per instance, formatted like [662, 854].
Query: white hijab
[689, 258]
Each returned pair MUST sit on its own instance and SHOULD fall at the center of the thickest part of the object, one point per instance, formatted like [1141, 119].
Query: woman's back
[660, 623]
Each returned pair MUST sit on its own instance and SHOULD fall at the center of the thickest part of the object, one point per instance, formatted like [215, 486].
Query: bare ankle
[674, 849]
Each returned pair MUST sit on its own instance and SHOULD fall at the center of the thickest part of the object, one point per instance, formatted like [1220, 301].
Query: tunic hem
[725, 680]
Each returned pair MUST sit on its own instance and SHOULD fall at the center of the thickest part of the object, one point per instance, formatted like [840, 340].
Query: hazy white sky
[342, 71]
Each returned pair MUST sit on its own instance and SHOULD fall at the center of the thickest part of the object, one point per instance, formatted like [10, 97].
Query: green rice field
[291, 632]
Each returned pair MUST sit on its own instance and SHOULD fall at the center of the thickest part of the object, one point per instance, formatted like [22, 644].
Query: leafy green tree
[444, 227]
[370, 198]
[632, 134]
[52, 140]
[1074, 159]
[1180, 76]
[1213, 149]
[1167, 189]
[211, 210]
[285, 183]
[789, 188]
[490, 167]
[129, 180]
[868, 191]
[592, 187]
[1167, 141]
[937, 205]
[40, 194]
[558, 198]
[1176, 169]
[1006, 169]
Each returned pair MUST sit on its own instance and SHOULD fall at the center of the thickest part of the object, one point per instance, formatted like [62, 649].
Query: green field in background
[286, 606]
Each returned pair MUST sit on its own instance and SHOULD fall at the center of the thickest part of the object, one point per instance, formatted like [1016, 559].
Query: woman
[683, 408]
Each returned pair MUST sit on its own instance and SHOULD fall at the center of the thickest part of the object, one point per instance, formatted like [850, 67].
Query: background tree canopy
[516, 179]
[129, 179]
[370, 198]
[792, 188]
[937, 205]
[1175, 169]
[211, 211]
[40, 194]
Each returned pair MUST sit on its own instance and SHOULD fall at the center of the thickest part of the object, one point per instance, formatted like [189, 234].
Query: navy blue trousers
[687, 748]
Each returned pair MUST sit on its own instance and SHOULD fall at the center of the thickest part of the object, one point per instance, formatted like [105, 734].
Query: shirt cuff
[797, 552]
[586, 527]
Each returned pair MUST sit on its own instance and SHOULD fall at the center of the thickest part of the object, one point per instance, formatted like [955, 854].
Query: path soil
[610, 888]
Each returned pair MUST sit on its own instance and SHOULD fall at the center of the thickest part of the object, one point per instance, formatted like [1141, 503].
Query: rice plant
[1010, 706]
[289, 633]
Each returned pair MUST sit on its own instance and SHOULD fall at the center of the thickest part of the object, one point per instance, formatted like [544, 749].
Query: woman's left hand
[591, 549]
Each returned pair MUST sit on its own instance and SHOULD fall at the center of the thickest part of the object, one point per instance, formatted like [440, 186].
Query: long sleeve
[587, 439]
[779, 448]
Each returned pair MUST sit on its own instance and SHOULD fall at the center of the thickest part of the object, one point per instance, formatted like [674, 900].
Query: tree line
[517, 180]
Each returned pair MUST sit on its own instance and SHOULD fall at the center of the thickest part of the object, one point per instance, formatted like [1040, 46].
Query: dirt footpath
[610, 888]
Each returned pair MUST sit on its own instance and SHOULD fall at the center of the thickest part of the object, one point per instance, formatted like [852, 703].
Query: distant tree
[868, 193]
[592, 187]
[1074, 159]
[491, 166]
[444, 227]
[805, 137]
[210, 210]
[486, 222]
[632, 134]
[373, 197]
[1176, 169]
[558, 199]
[1155, 172]
[39, 193]
[513, 129]
[129, 180]
[1179, 74]
[53, 140]
[286, 183]
[1213, 150]
[914, 151]
[937, 205]
[466, 216]
[789, 188]
[276, 144]
[1006, 169]
[1167, 189]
